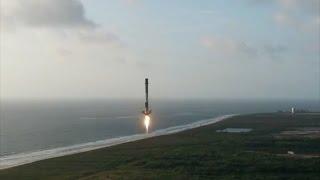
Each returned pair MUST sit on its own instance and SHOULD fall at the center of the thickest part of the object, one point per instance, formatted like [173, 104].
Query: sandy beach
[26, 158]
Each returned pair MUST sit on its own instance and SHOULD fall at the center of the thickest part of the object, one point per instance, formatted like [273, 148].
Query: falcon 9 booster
[146, 110]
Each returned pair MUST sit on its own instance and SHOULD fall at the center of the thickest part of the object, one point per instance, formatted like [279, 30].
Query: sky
[206, 49]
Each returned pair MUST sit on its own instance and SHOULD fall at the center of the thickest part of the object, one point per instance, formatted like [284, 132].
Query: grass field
[200, 153]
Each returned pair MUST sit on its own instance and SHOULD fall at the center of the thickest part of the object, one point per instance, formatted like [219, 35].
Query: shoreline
[27, 158]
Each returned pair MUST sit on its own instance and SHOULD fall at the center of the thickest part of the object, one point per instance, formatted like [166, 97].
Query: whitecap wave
[25, 158]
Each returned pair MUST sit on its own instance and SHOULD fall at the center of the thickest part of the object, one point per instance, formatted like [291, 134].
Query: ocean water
[28, 126]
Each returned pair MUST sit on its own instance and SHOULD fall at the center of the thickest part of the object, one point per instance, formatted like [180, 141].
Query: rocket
[146, 110]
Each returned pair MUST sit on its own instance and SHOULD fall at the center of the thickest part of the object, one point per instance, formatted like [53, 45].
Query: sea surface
[28, 126]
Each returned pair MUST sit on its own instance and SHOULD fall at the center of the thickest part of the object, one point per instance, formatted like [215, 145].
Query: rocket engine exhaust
[147, 122]
[147, 110]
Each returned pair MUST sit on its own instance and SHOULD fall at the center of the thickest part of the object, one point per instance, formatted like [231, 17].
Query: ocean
[28, 126]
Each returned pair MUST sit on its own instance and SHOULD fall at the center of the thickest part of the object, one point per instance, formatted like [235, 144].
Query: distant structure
[293, 110]
[291, 153]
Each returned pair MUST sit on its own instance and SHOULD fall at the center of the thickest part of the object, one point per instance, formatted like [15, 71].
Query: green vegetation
[200, 153]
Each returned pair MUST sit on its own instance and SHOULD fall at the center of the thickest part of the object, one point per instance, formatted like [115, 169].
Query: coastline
[27, 158]
[206, 152]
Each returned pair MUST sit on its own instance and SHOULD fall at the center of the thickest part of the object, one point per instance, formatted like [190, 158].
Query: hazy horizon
[97, 99]
[91, 49]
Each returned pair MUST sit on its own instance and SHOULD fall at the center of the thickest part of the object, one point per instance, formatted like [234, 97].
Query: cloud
[53, 48]
[307, 6]
[259, 2]
[233, 48]
[302, 15]
[65, 17]
[45, 13]
[274, 51]
[227, 46]
[131, 2]
[99, 36]
[207, 12]
[310, 24]
[301, 6]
